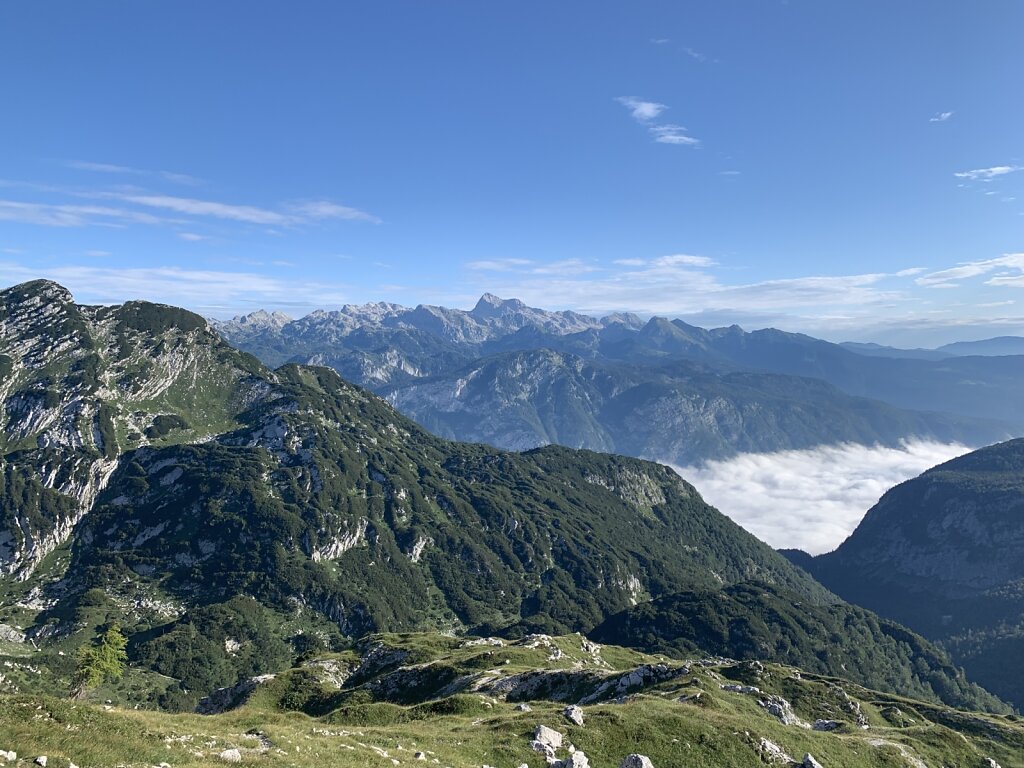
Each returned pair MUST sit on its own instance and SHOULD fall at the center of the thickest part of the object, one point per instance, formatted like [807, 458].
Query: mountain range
[517, 377]
[225, 515]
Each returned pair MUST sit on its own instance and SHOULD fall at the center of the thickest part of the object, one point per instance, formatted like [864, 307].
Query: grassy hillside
[462, 703]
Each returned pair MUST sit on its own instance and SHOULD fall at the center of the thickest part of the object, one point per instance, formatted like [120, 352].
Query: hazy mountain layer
[680, 413]
[661, 389]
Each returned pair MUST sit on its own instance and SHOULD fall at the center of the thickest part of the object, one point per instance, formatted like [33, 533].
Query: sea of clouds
[811, 499]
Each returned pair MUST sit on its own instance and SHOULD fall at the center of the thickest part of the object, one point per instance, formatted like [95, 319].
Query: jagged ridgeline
[229, 516]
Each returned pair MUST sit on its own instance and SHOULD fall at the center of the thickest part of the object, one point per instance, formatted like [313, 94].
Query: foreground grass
[374, 721]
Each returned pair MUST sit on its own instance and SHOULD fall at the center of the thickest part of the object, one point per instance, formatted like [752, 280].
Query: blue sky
[849, 169]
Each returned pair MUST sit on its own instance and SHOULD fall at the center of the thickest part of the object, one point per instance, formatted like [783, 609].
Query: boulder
[810, 762]
[773, 753]
[548, 737]
[231, 756]
[576, 760]
[574, 715]
[636, 761]
[40, 761]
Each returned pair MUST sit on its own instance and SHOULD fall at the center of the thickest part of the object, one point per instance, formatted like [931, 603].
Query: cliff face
[944, 554]
[81, 385]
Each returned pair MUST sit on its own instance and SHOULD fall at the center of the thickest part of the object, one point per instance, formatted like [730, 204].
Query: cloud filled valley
[811, 499]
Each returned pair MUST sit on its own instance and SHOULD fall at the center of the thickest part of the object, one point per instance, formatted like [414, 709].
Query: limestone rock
[827, 725]
[810, 762]
[231, 756]
[40, 761]
[574, 715]
[773, 753]
[548, 736]
[636, 761]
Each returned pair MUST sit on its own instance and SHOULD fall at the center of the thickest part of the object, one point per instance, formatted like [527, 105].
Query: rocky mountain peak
[490, 305]
[263, 319]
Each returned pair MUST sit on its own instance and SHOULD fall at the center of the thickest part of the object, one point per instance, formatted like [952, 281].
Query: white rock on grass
[576, 760]
[636, 761]
[810, 762]
[548, 737]
[231, 756]
[773, 753]
[574, 715]
[827, 725]
[40, 761]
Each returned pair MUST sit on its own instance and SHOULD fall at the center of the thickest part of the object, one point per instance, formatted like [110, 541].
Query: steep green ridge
[944, 554]
[753, 621]
[464, 703]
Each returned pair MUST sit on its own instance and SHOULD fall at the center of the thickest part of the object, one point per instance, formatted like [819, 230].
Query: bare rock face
[636, 761]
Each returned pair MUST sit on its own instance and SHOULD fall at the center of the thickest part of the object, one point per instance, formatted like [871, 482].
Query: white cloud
[664, 133]
[324, 209]
[210, 292]
[695, 55]
[293, 213]
[947, 278]
[641, 110]
[564, 267]
[684, 259]
[498, 265]
[673, 134]
[811, 499]
[177, 178]
[191, 237]
[940, 117]
[660, 40]
[48, 215]
[987, 174]
[81, 165]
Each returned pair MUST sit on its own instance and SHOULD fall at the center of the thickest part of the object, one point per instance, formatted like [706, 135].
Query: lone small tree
[100, 662]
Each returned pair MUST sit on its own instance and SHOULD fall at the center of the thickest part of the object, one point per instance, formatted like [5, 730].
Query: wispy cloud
[695, 54]
[987, 174]
[498, 265]
[660, 40]
[211, 292]
[645, 112]
[641, 110]
[940, 117]
[948, 278]
[681, 284]
[176, 178]
[192, 237]
[128, 202]
[319, 210]
[811, 499]
[673, 134]
[63, 215]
